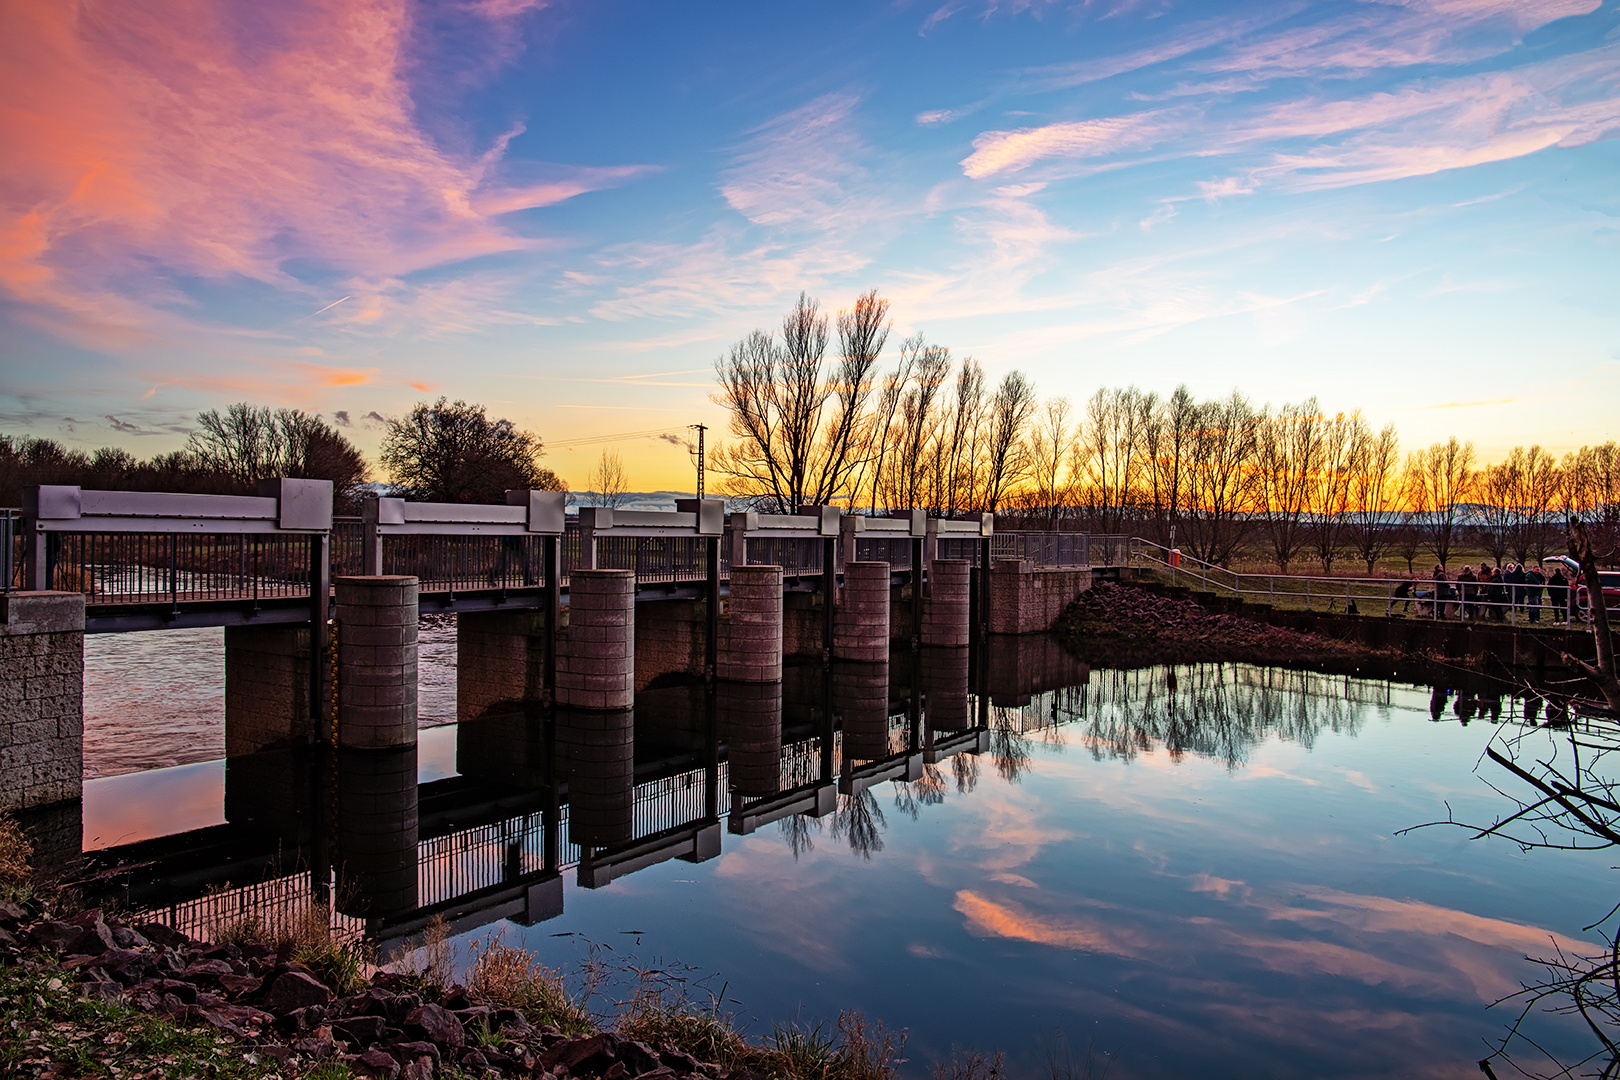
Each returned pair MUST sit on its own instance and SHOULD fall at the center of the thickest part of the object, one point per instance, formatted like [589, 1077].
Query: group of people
[1492, 592]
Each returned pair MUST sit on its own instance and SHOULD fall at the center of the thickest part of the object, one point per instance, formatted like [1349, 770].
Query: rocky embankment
[1120, 625]
[280, 1016]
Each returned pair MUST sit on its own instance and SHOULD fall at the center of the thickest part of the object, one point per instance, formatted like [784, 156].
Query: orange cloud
[194, 137]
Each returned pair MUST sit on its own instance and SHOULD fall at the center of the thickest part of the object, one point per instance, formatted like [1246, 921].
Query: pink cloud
[1011, 151]
[165, 134]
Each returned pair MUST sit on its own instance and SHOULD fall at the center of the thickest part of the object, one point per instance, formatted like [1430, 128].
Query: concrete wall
[267, 683]
[1024, 600]
[41, 698]
[669, 640]
[500, 661]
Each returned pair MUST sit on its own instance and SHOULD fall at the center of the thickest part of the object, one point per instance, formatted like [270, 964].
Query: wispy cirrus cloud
[176, 144]
[1308, 143]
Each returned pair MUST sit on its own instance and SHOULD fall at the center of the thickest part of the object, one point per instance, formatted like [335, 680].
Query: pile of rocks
[395, 1028]
[1112, 621]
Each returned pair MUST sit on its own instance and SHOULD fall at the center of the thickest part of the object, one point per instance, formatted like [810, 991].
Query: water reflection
[1209, 879]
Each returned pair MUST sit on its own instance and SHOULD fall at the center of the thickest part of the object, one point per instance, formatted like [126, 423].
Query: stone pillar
[751, 635]
[861, 625]
[500, 662]
[267, 682]
[596, 660]
[376, 619]
[860, 700]
[377, 831]
[596, 755]
[945, 613]
[943, 676]
[41, 698]
[750, 720]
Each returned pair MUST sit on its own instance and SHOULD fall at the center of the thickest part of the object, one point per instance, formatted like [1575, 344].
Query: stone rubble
[281, 1011]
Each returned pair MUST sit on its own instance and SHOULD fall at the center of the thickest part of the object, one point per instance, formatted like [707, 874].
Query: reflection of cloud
[1013, 921]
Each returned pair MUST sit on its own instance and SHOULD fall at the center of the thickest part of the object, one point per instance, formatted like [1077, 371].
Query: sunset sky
[568, 210]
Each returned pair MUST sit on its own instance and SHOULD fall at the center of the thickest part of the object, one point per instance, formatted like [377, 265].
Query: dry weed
[304, 933]
[434, 961]
[507, 976]
[15, 851]
[971, 1065]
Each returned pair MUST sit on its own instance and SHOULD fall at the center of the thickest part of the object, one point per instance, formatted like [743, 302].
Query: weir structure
[599, 793]
[554, 612]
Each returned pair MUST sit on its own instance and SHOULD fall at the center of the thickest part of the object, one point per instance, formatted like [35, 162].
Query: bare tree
[248, 443]
[1168, 441]
[1444, 479]
[1221, 489]
[788, 448]
[1497, 489]
[1113, 455]
[1343, 439]
[1374, 488]
[1050, 447]
[1005, 451]
[1288, 454]
[608, 479]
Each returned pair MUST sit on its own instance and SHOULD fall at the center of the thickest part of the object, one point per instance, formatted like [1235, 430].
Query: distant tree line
[1223, 478]
[442, 450]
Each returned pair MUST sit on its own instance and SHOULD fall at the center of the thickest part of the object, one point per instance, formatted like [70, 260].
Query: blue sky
[567, 211]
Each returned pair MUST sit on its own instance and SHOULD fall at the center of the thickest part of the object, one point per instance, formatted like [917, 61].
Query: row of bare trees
[929, 433]
[1222, 478]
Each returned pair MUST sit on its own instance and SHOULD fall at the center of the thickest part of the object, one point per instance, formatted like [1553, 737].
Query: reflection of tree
[1217, 711]
[1009, 749]
[1565, 795]
[926, 790]
[797, 830]
[859, 818]
[965, 768]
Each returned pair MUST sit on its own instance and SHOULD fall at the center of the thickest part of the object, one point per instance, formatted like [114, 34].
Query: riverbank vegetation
[89, 994]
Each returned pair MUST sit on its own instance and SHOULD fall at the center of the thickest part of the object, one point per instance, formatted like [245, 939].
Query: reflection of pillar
[750, 718]
[507, 749]
[270, 794]
[861, 625]
[376, 619]
[500, 661]
[267, 682]
[596, 662]
[860, 697]
[945, 614]
[596, 758]
[943, 676]
[376, 831]
[751, 637]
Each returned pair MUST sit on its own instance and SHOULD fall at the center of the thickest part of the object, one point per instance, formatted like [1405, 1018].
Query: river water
[1164, 872]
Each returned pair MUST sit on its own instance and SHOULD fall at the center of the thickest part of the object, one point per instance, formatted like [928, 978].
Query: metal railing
[174, 568]
[1509, 603]
[10, 550]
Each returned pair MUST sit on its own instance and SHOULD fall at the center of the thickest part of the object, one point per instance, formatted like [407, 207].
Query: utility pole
[700, 430]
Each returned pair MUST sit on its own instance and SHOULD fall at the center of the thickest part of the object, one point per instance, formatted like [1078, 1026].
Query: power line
[624, 436]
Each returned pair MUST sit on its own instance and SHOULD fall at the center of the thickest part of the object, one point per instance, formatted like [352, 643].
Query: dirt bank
[1123, 626]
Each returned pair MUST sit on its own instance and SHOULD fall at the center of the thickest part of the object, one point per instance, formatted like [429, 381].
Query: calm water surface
[1191, 871]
